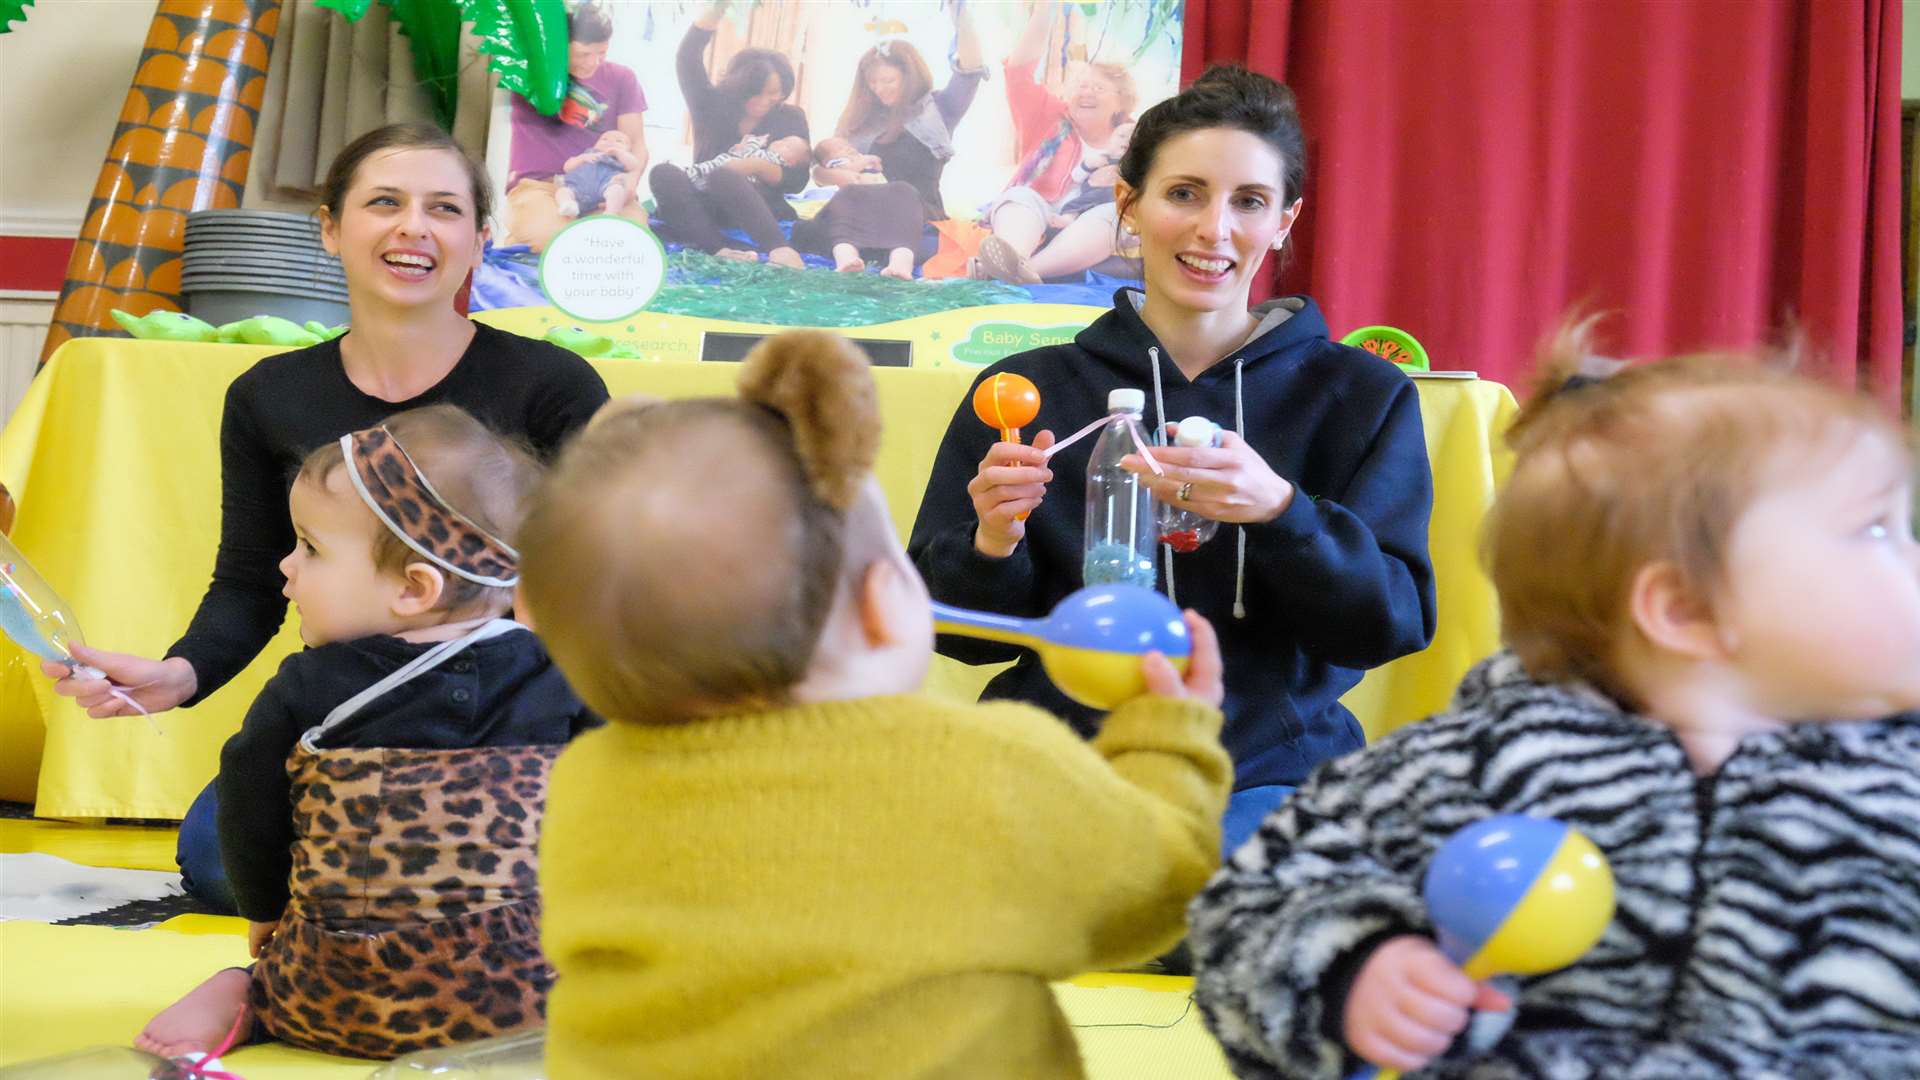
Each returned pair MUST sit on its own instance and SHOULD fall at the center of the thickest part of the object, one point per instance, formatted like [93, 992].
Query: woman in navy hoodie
[1322, 474]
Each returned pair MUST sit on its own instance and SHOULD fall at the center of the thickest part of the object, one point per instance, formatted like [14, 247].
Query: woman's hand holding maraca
[1230, 482]
[1409, 1002]
[1011, 482]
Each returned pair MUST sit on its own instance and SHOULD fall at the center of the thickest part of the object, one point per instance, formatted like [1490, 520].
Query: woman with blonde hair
[895, 124]
[1063, 143]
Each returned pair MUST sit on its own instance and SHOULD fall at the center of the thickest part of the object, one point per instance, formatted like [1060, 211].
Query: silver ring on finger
[1185, 492]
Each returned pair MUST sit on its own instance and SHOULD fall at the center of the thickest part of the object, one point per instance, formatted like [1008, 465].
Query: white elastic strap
[1240, 531]
[1160, 439]
[421, 664]
[1159, 402]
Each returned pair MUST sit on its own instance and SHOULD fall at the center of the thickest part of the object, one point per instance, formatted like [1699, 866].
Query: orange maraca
[1008, 402]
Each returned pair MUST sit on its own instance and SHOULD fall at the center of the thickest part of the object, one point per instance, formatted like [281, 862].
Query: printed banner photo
[839, 163]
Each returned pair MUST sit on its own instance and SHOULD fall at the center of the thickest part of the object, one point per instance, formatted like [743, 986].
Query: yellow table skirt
[114, 459]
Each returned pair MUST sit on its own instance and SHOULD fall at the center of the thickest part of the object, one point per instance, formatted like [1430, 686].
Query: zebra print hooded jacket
[1768, 921]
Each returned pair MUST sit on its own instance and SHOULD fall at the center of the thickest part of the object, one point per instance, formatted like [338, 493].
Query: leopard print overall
[415, 914]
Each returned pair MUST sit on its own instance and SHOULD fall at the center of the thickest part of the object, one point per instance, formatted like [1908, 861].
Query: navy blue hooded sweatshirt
[1340, 582]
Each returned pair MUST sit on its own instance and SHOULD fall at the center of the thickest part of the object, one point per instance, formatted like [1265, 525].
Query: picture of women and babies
[994, 160]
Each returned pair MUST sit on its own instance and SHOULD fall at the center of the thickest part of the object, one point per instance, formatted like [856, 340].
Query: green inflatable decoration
[587, 343]
[323, 331]
[13, 11]
[267, 330]
[164, 326]
[580, 340]
[525, 41]
[259, 330]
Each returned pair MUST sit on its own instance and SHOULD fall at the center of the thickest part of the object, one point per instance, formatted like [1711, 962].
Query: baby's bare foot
[787, 257]
[737, 255]
[847, 260]
[899, 264]
[200, 1021]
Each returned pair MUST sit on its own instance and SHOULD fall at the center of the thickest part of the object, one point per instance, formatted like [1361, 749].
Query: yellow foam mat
[1140, 1026]
[64, 988]
[129, 847]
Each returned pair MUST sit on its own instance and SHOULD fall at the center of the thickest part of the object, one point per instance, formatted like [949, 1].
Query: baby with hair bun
[780, 858]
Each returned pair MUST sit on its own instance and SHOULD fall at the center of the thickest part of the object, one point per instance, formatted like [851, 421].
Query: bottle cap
[1127, 399]
[1196, 431]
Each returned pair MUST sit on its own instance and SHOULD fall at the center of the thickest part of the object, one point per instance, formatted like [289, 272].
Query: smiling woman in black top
[405, 210]
[749, 195]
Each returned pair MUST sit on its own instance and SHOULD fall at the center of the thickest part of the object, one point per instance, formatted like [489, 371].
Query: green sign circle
[603, 268]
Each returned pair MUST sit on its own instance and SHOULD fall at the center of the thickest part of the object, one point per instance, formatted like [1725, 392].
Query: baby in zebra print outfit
[1710, 592]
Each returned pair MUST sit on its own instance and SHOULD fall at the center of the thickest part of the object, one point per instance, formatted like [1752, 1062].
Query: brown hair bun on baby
[823, 385]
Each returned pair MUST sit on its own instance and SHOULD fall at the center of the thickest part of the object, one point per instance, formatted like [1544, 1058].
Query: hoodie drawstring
[1240, 531]
[1160, 439]
[1240, 429]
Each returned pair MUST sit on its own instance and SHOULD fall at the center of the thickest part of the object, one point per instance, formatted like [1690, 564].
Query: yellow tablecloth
[114, 458]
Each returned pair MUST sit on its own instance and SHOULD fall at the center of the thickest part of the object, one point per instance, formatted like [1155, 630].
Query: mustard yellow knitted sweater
[871, 888]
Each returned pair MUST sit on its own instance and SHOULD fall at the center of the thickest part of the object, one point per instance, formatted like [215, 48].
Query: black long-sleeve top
[285, 406]
[716, 121]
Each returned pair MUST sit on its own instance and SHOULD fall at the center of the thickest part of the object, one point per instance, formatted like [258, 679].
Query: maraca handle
[985, 625]
[1374, 1072]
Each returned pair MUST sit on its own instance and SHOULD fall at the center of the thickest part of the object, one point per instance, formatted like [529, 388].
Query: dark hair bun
[823, 385]
[1224, 96]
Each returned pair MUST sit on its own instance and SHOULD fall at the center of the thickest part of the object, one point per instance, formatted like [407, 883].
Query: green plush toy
[268, 330]
[591, 345]
[323, 331]
[165, 326]
[585, 342]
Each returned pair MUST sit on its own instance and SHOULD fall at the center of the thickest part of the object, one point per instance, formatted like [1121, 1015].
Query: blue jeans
[1246, 809]
[201, 872]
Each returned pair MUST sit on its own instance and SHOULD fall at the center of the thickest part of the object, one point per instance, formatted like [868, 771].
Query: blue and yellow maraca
[1092, 641]
[1515, 895]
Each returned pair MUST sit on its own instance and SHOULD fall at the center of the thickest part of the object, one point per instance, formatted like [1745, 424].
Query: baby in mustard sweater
[780, 859]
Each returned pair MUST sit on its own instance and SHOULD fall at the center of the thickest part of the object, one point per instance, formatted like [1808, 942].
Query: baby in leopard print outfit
[380, 805]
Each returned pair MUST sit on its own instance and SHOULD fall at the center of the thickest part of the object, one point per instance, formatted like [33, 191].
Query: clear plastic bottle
[1120, 532]
[108, 1063]
[518, 1056]
[32, 614]
[1183, 530]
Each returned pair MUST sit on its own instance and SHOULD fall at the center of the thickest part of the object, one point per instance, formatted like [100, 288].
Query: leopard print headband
[400, 495]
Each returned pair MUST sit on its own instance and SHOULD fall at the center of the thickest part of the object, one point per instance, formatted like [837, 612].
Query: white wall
[64, 73]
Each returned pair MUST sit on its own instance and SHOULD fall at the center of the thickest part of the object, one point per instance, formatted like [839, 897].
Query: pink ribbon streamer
[199, 1068]
[1139, 443]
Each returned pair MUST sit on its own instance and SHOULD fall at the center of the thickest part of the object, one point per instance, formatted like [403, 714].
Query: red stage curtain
[1714, 170]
